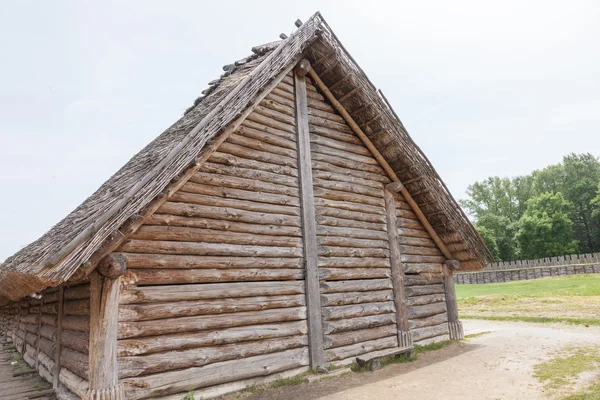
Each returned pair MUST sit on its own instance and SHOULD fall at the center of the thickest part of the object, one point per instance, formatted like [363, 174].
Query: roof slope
[57, 255]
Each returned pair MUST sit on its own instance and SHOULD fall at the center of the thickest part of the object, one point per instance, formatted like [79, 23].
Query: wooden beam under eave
[413, 205]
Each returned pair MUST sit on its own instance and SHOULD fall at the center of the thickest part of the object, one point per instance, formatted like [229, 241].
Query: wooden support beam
[454, 325]
[404, 336]
[104, 313]
[340, 108]
[59, 329]
[309, 227]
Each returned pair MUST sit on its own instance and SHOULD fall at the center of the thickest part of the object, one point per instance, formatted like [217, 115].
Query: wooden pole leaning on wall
[105, 285]
[309, 228]
[401, 188]
[404, 335]
[454, 325]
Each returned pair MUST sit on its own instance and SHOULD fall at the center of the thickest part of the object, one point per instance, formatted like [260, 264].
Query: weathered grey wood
[177, 261]
[335, 249]
[207, 249]
[180, 276]
[353, 233]
[396, 265]
[224, 225]
[358, 336]
[419, 280]
[190, 358]
[357, 310]
[436, 319]
[112, 266]
[424, 290]
[144, 312]
[103, 367]
[346, 298]
[353, 273]
[414, 258]
[353, 324]
[426, 310]
[429, 331]
[455, 326]
[76, 323]
[422, 268]
[78, 341]
[172, 293]
[59, 328]
[324, 203]
[200, 339]
[74, 383]
[235, 161]
[353, 350]
[193, 378]
[420, 250]
[313, 302]
[355, 285]
[425, 299]
[176, 233]
[204, 322]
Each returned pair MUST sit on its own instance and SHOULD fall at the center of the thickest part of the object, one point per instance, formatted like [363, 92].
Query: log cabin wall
[55, 326]
[354, 267]
[422, 265]
[214, 291]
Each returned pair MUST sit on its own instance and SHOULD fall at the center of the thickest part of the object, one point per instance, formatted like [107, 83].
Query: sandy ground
[493, 366]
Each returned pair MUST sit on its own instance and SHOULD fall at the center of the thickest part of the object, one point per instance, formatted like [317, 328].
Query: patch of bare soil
[498, 365]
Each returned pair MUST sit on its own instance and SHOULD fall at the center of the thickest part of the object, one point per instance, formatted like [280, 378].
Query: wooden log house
[286, 221]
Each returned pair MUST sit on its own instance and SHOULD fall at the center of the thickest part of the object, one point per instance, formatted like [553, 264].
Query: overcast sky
[484, 87]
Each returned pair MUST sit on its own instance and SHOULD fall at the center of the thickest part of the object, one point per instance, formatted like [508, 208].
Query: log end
[303, 67]
[453, 264]
[112, 266]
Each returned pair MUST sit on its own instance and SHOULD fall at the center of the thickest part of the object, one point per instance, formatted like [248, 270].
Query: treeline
[550, 212]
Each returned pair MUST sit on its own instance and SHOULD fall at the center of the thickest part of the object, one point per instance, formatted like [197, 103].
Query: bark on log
[240, 194]
[346, 298]
[353, 233]
[207, 249]
[419, 280]
[426, 299]
[436, 319]
[246, 205]
[422, 268]
[429, 332]
[424, 290]
[234, 161]
[353, 273]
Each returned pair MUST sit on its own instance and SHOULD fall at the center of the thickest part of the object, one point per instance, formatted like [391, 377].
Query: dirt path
[493, 366]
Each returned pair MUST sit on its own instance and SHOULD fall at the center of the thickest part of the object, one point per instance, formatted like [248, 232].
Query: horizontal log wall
[214, 291]
[524, 273]
[353, 246]
[422, 265]
[33, 326]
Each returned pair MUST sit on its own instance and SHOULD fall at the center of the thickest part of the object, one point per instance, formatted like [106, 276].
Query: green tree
[490, 241]
[497, 205]
[545, 229]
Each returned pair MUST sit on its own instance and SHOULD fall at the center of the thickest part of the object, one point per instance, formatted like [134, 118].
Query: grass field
[571, 299]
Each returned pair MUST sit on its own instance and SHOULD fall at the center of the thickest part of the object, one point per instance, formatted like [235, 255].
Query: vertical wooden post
[58, 345]
[105, 284]
[39, 332]
[309, 227]
[454, 325]
[404, 336]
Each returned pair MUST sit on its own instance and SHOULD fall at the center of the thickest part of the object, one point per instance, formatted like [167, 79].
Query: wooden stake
[340, 108]
[313, 302]
[404, 337]
[454, 325]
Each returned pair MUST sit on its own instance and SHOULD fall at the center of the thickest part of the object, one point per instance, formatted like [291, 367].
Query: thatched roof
[57, 255]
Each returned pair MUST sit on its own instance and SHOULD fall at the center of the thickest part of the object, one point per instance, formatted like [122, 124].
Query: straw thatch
[57, 255]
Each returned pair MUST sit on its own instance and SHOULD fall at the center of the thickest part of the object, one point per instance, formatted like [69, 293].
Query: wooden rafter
[340, 108]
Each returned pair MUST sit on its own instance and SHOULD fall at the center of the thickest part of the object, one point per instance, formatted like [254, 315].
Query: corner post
[59, 329]
[404, 335]
[454, 325]
[309, 224]
[105, 286]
